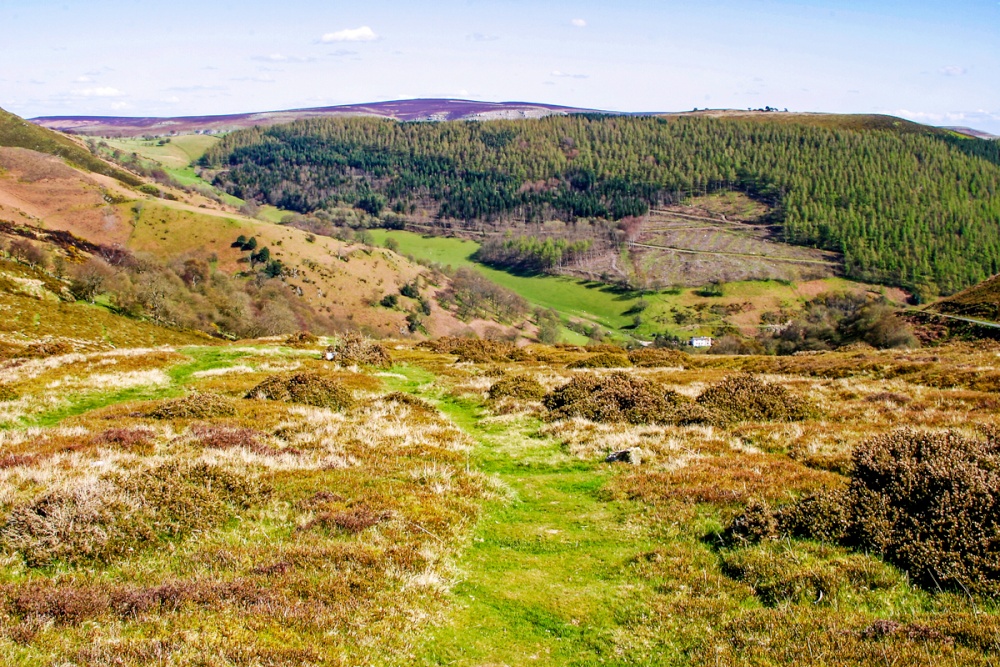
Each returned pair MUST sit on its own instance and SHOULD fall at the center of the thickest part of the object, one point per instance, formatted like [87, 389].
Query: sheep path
[546, 578]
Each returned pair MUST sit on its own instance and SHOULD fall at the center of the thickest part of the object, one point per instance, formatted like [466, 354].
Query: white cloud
[481, 37]
[104, 91]
[362, 34]
[578, 23]
[281, 58]
[118, 106]
[566, 75]
[84, 79]
[953, 70]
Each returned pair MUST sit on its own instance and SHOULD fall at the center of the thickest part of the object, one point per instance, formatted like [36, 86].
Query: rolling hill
[403, 110]
[898, 203]
[305, 281]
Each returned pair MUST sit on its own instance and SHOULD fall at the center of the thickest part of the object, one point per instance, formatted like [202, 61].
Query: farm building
[700, 341]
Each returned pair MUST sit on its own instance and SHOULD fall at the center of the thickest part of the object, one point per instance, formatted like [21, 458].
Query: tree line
[915, 209]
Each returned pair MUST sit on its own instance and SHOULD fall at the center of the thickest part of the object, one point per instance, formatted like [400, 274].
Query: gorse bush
[744, 397]
[926, 502]
[617, 397]
[517, 386]
[307, 388]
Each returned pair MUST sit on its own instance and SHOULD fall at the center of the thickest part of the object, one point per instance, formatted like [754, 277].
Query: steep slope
[981, 302]
[16, 132]
[325, 284]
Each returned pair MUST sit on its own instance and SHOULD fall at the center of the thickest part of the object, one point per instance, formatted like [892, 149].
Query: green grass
[179, 152]
[571, 298]
[546, 577]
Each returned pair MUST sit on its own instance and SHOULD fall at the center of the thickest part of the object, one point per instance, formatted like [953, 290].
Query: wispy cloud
[103, 91]
[567, 75]
[481, 37]
[578, 23]
[195, 89]
[281, 58]
[953, 70]
[84, 79]
[342, 53]
[362, 34]
[120, 106]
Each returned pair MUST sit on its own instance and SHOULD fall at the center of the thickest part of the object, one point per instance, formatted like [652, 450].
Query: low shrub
[926, 502]
[353, 520]
[194, 406]
[111, 519]
[7, 393]
[307, 388]
[617, 397]
[353, 348]
[476, 350]
[410, 401]
[745, 397]
[129, 439]
[517, 386]
[656, 357]
[301, 339]
[603, 360]
[48, 348]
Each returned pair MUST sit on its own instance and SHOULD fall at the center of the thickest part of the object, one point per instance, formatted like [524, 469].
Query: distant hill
[980, 302]
[969, 132]
[406, 110]
[902, 203]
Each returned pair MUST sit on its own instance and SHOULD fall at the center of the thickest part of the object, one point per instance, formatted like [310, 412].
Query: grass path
[545, 580]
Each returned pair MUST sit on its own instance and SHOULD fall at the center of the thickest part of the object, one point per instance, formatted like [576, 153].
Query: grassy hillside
[18, 133]
[868, 189]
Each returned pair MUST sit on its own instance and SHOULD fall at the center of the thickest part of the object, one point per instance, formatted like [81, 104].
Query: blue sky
[934, 62]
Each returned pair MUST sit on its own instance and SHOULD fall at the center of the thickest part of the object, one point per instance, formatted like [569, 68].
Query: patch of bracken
[306, 388]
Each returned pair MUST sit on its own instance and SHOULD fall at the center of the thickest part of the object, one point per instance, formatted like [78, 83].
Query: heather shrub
[656, 357]
[129, 439]
[617, 397]
[410, 401]
[109, 520]
[744, 397]
[757, 522]
[307, 388]
[476, 350]
[194, 406]
[930, 503]
[820, 515]
[7, 393]
[926, 502]
[517, 386]
[301, 339]
[353, 348]
[603, 360]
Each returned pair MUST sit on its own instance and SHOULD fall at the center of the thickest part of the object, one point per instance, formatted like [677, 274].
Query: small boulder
[631, 455]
